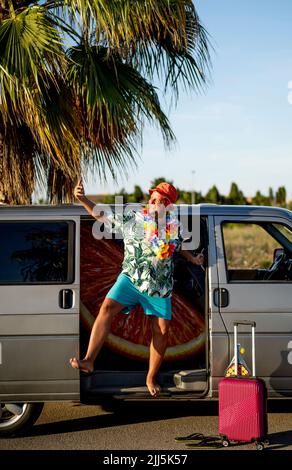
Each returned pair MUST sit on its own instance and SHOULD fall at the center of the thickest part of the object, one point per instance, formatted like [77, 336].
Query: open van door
[39, 304]
[255, 283]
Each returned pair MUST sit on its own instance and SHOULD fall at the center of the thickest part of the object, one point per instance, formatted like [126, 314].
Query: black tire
[13, 424]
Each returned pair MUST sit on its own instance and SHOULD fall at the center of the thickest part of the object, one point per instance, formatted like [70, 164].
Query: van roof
[203, 209]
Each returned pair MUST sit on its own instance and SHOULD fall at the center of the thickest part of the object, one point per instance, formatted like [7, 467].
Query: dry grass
[248, 246]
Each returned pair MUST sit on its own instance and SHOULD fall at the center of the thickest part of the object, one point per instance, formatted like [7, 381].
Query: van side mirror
[278, 252]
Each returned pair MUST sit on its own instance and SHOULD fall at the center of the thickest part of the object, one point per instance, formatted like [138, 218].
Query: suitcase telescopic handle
[253, 325]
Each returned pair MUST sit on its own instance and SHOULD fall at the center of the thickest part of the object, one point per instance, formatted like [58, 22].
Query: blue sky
[240, 128]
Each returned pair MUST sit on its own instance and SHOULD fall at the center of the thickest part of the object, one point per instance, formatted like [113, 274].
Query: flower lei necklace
[162, 249]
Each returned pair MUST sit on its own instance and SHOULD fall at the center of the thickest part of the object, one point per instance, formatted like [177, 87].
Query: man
[151, 236]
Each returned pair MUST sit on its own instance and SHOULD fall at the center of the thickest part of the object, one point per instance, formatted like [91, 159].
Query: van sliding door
[39, 306]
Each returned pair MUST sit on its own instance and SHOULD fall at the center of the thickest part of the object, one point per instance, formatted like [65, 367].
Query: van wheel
[16, 418]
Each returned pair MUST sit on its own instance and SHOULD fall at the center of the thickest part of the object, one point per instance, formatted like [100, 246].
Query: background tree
[271, 196]
[159, 180]
[109, 199]
[76, 86]
[261, 200]
[258, 199]
[138, 194]
[124, 195]
[281, 196]
[235, 195]
[185, 197]
[213, 196]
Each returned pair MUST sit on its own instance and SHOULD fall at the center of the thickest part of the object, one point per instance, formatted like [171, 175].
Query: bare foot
[153, 387]
[85, 366]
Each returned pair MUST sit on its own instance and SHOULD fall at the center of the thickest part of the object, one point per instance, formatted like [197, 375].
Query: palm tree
[76, 85]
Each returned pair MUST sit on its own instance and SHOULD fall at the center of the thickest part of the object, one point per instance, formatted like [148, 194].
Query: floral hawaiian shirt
[149, 273]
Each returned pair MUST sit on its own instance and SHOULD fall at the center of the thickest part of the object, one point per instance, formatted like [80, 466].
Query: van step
[137, 391]
[133, 392]
[194, 380]
[117, 378]
[133, 382]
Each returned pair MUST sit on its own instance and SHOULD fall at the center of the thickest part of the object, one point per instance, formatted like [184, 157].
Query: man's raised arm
[87, 203]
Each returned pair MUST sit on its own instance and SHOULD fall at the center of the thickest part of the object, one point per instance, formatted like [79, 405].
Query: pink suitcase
[243, 403]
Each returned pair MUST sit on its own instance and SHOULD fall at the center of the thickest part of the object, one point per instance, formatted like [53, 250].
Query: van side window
[36, 252]
[257, 251]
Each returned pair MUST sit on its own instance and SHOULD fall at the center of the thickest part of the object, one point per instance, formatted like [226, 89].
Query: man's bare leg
[158, 345]
[99, 332]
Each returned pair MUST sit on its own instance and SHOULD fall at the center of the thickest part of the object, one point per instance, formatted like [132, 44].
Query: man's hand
[198, 259]
[80, 195]
[79, 190]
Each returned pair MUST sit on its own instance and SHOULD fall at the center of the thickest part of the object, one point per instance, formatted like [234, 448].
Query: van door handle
[221, 297]
[65, 298]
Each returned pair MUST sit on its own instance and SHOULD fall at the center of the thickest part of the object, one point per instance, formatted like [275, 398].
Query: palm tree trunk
[17, 173]
[60, 187]
[3, 195]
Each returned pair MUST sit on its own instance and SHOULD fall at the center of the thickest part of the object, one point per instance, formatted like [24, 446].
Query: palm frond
[114, 102]
[124, 20]
[185, 62]
[87, 105]
[54, 123]
[165, 38]
[27, 60]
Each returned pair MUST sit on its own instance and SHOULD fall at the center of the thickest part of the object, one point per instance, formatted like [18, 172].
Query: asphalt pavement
[149, 425]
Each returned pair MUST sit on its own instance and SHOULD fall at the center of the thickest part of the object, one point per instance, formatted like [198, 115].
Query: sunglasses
[163, 200]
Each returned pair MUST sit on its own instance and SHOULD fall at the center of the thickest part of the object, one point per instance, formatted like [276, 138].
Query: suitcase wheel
[260, 446]
[225, 443]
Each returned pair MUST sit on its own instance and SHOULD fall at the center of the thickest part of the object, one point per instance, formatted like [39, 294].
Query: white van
[54, 275]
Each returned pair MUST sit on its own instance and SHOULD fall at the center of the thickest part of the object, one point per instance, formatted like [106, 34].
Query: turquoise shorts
[126, 293]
